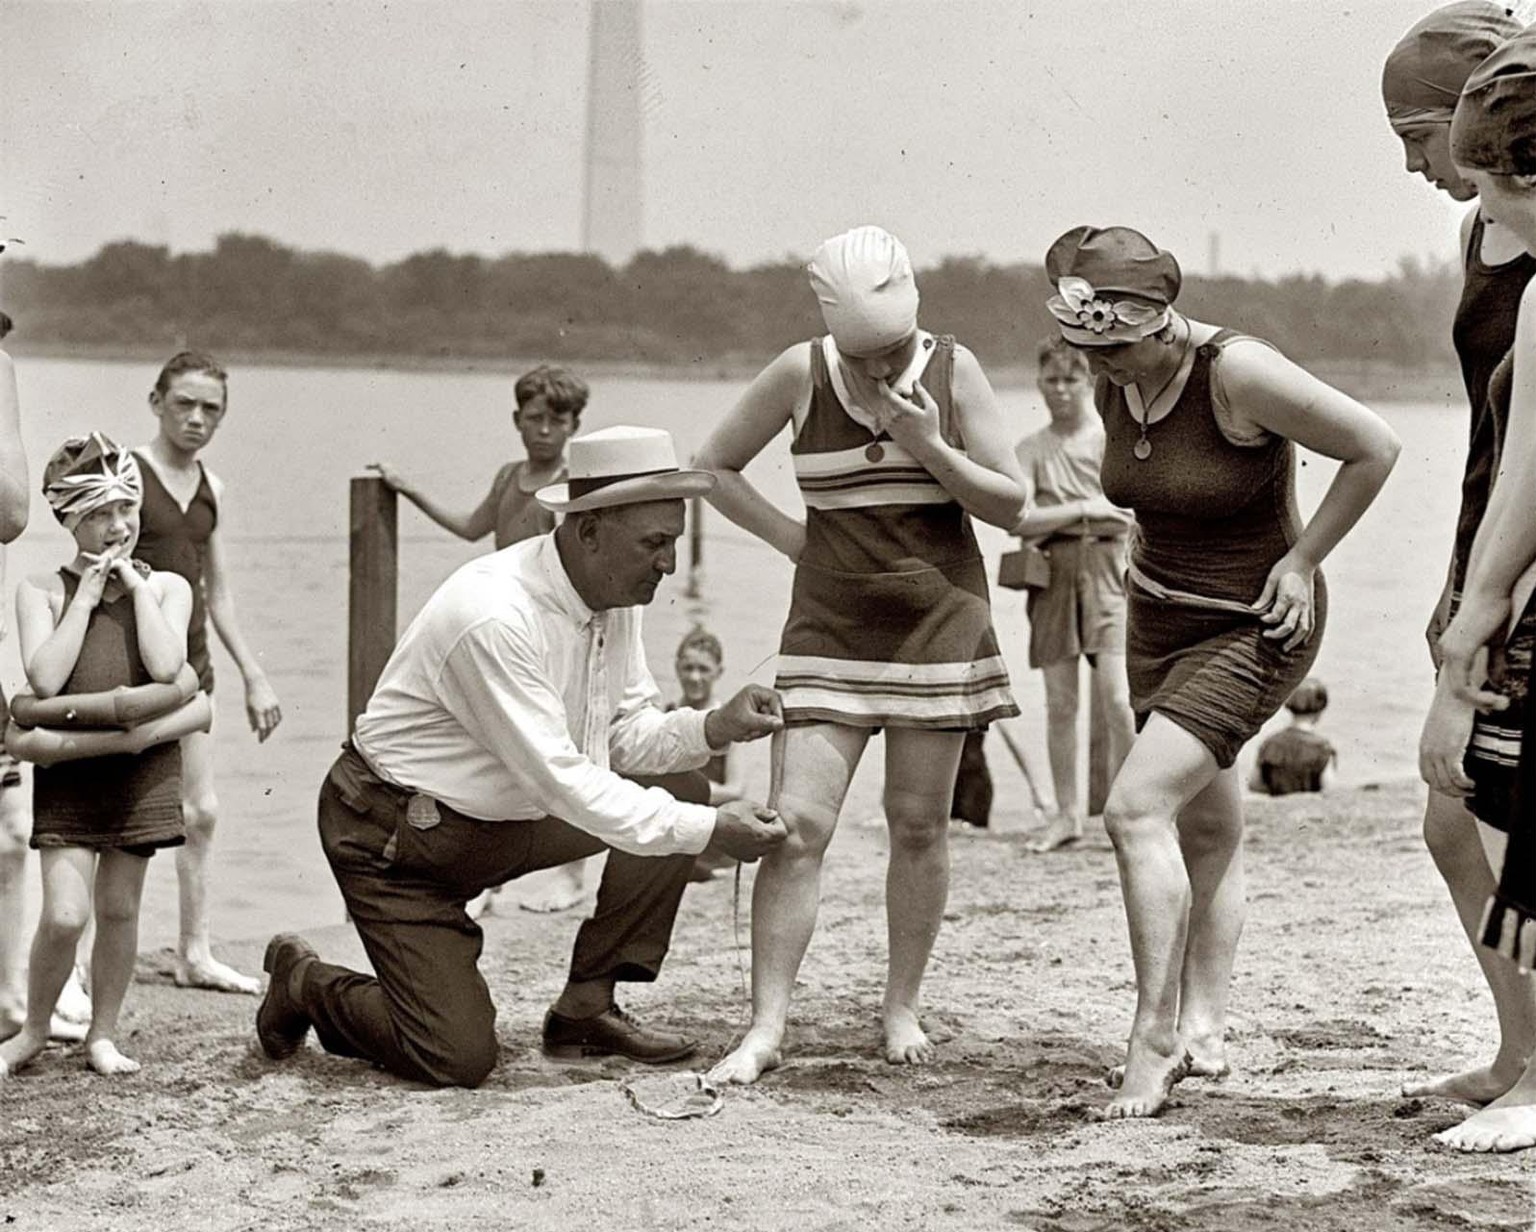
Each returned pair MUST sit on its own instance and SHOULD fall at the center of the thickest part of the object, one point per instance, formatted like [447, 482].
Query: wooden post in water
[695, 588]
[373, 578]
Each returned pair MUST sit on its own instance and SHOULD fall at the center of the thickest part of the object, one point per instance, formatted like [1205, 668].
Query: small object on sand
[673, 1097]
[538, 1177]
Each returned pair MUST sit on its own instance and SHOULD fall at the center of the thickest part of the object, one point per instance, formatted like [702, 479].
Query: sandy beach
[1352, 979]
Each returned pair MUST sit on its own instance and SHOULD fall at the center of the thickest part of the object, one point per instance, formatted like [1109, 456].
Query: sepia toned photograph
[784, 614]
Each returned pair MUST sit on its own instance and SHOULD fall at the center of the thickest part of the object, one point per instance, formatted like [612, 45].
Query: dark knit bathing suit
[127, 801]
[1212, 518]
[175, 540]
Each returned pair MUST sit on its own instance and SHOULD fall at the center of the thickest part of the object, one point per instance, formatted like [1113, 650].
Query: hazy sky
[967, 128]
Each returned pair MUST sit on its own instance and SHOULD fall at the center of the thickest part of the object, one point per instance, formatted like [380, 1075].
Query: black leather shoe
[612, 1033]
[281, 1024]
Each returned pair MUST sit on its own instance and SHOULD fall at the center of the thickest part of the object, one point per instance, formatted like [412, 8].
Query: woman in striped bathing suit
[897, 443]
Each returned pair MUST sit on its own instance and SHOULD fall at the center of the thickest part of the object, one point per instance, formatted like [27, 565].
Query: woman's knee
[916, 822]
[810, 830]
[1131, 815]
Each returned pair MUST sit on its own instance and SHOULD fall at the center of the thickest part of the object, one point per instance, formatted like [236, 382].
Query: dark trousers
[406, 874]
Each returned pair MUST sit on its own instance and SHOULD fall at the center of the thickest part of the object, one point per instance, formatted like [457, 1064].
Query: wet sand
[1352, 978]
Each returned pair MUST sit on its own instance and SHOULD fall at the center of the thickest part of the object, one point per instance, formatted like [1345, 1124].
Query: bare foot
[754, 1056]
[1062, 832]
[481, 903]
[1146, 1079]
[905, 1041]
[1199, 1062]
[11, 1020]
[1499, 1128]
[17, 1051]
[215, 976]
[554, 889]
[103, 1057]
[1478, 1086]
[1206, 1055]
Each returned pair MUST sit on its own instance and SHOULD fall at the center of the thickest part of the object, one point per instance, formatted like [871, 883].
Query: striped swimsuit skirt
[889, 622]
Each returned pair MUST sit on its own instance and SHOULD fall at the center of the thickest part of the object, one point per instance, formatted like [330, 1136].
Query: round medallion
[1142, 449]
[874, 452]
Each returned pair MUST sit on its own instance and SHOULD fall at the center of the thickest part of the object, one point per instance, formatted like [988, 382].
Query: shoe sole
[593, 1052]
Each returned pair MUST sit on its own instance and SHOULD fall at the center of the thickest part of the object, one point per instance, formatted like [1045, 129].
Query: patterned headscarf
[863, 281]
[1425, 72]
[87, 472]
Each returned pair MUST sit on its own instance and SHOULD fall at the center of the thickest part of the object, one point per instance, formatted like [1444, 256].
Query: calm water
[293, 437]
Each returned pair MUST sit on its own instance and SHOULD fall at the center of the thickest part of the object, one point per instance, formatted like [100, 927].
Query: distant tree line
[678, 306]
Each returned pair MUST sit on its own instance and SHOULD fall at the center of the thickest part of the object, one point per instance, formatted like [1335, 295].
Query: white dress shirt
[508, 698]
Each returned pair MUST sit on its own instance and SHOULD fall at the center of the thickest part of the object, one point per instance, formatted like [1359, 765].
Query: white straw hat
[622, 466]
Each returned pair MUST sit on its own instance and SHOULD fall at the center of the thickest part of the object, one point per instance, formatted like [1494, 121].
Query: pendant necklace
[1142, 449]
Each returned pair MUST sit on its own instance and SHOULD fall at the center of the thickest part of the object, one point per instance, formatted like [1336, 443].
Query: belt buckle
[421, 812]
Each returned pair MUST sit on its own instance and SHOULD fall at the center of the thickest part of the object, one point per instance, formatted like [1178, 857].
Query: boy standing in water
[182, 504]
[548, 413]
[549, 405]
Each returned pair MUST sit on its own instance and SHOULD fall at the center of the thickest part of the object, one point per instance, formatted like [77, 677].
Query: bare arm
[985, 476]
[50, 645]
[13, 459]
[47, 746]
[261, 705]
[1505, 546]
[476, 524]
[162, 606]
[1268, 390]
[760, 415]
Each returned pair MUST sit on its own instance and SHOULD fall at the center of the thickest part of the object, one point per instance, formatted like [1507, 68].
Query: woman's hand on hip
[1287, 601]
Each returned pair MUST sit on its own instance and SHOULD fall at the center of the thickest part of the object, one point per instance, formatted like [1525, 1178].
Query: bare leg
[196, 967]
[819, 760]
[119, 888]
[1113, 689]
[1061, 696]
[68, 873]
[1211, 839]
[1166, 768]
[1452, 834]
[13, 867]
[919, 780]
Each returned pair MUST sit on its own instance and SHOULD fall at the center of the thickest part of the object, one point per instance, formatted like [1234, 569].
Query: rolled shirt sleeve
[505, 701]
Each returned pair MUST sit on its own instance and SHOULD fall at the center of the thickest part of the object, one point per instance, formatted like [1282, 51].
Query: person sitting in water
[1297, 758]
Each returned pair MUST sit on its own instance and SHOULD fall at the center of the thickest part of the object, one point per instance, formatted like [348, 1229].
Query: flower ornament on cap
[1424, 74]
[863, 281]
[87, 472]
[1495, 125]
[622, 466]
[1113, 286]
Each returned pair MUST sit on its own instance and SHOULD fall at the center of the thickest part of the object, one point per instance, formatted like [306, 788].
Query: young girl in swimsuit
[102, 622]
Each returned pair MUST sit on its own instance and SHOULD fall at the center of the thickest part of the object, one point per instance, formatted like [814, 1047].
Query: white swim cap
[863, 281]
